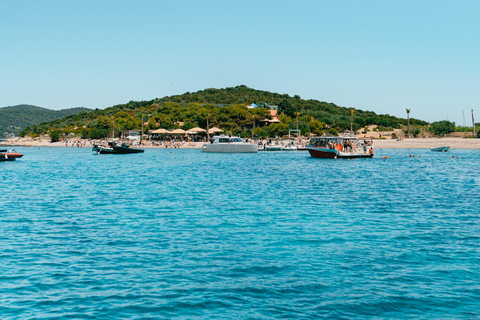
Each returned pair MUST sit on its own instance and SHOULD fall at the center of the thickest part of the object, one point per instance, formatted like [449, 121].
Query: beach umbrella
[215, 130]
[160, 131]
[178, 131]
[196, 130]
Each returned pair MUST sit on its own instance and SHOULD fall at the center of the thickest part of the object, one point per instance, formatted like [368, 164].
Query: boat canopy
[226, 139]
[327, 141]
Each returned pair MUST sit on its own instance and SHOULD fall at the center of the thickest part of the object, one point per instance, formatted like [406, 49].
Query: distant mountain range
[16, 118]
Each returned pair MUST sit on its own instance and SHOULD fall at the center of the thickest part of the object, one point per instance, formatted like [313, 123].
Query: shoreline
[81, 143]
[427, 143]
[411, 143]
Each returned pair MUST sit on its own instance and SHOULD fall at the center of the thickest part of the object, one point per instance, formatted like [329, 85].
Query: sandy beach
[422, 143]
[413, 143]
[45, 142]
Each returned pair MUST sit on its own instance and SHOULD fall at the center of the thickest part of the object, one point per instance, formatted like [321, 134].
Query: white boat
[272, 147]
[228, 144]
[290, 148]
[441, 149]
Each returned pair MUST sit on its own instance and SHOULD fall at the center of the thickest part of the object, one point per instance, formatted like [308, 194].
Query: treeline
[445, 127]
[224, 108]
[15, 118]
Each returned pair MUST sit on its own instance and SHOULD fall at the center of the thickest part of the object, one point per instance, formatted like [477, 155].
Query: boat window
[223, 140]
[318, 142]
[237, 140]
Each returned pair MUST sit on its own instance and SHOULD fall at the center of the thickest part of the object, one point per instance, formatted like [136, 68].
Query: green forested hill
[16, 118]
[225, 108]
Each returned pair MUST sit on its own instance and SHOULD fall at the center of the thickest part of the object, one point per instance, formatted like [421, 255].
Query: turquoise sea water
[190, 235]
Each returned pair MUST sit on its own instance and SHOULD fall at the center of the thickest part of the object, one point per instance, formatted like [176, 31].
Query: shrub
[54, 135]
[441, 128]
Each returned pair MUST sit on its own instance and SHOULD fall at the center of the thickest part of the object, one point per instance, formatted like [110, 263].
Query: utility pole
[297, 125]
[208, 129]
[408, 123]
[141, 134]
[297, 114]
[113, 129]
[253, 131]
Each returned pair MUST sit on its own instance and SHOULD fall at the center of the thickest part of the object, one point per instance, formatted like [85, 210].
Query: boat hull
[230, 148]
[440, 149]
[10, 156]
[273, 148]
[105, 151]
[116, 150]
[335, 154]
[125, 150]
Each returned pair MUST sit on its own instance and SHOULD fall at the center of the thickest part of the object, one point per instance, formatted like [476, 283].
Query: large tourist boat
[229, 144]
[9, 155]
[340, 147]
[114, 148]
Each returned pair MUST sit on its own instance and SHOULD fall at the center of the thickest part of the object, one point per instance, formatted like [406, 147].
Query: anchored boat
[440, 149]
[340, 147]
[113, 148]
[228, 144]
[9, 155]
[273, 147]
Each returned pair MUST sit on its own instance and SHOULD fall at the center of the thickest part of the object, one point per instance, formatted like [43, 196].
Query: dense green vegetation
[225, 108]
[14, 119]
[441, 128]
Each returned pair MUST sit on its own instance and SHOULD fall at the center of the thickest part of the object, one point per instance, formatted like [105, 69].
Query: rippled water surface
[182, 234]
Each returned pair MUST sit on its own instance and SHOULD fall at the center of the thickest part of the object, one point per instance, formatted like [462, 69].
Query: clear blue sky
[383, 56]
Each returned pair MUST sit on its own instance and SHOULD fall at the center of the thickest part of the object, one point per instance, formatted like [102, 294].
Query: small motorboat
[440, 149]
[9, 155]
[113, 148]
[124, 149]
[273, 147]
[290, 147]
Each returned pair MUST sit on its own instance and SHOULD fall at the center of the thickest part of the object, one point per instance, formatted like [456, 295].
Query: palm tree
[351, 111]
[408, 123]
[473, 122]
